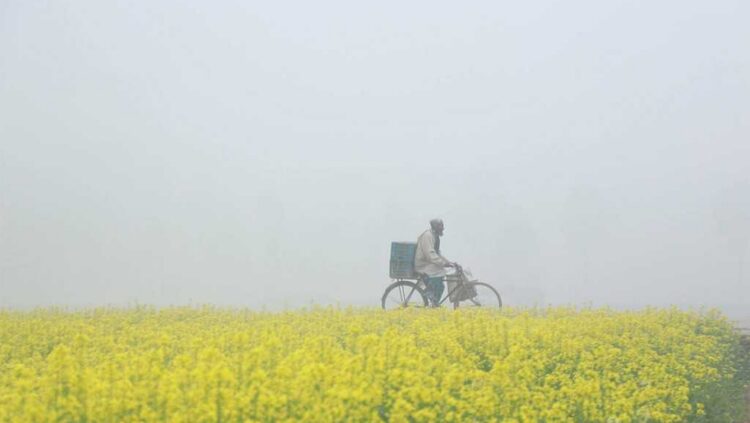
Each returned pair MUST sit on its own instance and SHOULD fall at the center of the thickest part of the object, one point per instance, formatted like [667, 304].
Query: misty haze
[267, 155]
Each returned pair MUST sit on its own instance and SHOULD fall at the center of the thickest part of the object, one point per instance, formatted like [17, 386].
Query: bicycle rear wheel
[403, 294]
[486, 297]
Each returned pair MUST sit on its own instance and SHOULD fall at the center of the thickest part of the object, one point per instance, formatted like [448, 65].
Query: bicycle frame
[445, 298]
[460, 284]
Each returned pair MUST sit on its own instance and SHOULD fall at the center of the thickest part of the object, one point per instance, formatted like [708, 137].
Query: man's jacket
[428, 259]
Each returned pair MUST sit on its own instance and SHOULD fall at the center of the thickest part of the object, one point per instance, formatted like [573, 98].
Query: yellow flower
[188, 364]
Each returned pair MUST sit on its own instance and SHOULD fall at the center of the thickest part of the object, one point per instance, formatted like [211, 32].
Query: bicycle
[409, 288]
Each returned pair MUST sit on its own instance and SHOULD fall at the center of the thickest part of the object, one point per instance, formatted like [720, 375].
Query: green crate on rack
[402, 260]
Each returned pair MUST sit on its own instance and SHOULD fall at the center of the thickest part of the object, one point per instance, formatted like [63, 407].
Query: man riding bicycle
[430, 262]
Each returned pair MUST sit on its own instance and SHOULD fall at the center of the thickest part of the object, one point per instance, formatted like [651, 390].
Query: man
[430, 262]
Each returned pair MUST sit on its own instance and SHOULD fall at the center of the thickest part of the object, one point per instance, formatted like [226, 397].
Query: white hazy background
[265, 154]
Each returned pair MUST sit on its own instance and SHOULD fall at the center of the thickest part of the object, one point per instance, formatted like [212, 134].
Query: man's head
[437, 226]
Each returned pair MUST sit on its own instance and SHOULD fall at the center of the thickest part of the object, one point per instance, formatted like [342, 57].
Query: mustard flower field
[325, 364]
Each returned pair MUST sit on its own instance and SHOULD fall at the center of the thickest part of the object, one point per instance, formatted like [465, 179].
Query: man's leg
[435, 289]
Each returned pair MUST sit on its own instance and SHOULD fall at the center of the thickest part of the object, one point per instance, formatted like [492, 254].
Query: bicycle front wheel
[486, 296]
[403, 294]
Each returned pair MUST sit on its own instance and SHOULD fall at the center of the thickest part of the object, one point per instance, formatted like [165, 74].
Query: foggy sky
[267, 153]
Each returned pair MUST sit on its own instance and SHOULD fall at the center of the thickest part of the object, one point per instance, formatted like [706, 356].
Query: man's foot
[433, 302]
